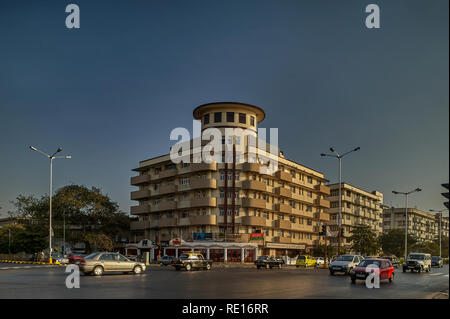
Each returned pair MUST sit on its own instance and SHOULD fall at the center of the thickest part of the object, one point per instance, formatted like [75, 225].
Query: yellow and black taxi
[306, 261]
[190, 261]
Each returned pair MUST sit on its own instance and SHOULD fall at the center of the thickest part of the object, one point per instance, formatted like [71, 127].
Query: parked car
[345, 263]
[394, 260]
[268, 262]
[417, 262]
[385, 269]
[73, 258]
[320, 261]
[191, 261]
[437, 261]
[101, 262]
[166, 260]
[305, 261]
[60, 258]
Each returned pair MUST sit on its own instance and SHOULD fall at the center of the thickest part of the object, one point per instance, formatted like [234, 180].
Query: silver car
[101, 262]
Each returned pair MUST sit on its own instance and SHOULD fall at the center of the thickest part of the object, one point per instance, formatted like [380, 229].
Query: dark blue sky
[110, 92]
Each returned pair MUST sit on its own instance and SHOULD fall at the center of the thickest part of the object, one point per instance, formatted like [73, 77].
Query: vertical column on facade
[256, 253]
[176, 252]
[152, 253]
[207, 253]
[242, 255]
[164, 253]
[225, 255]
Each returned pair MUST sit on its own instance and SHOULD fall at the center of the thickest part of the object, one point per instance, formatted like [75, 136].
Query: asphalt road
[37, 281]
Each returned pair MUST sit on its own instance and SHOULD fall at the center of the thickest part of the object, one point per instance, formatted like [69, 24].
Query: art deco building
[219, 208]
[422, 225]
[359, 207]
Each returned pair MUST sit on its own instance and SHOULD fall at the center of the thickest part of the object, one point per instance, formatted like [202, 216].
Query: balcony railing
[203, 202]
[254, 202]
[253, 221]
[254, 185]
[323, 189]
[141, 179]
[140, 194]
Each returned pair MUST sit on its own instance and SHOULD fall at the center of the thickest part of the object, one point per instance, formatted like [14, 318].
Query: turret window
[230, 116]
[242, 118]
[217, 117]
[206, 119]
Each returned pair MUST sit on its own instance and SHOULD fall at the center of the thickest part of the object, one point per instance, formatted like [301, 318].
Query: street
[37, 281]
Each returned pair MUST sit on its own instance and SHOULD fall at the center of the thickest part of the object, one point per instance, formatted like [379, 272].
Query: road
[37, 281]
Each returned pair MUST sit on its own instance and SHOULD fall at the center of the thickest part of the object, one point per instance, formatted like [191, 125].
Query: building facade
[359, 207]
[422, 225]
[217, 204]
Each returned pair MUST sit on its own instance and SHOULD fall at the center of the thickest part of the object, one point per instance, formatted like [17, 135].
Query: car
[417, 262]
[60, 258]
[100, 262]
[394, 260]
[268, 262]
[305, 261]
[437, 261]
[385, 269]
[345, 263]
[73, 258]
[320, 261]
[166, 260]
[190, 261]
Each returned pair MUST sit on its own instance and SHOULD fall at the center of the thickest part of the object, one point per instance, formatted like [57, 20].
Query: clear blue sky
[110, 92]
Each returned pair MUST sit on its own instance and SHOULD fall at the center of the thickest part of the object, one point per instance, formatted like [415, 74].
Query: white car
[417, 262]
[320, 261]
[345, 263]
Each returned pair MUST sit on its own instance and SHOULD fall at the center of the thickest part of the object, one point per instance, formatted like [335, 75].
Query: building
[422, 225]
[13, 221]
[193, 205]
[359, 207]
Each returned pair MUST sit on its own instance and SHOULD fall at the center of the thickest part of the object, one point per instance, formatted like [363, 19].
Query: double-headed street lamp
[406, 215]
[51, 157]
[339, 157]
[440, 227]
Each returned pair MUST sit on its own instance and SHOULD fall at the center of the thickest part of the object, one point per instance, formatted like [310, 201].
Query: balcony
[141, 179]
[203, 202]
[322, 216]
[253, 202]
[165, 205]
[198, 167]
[167, 222]
[139, 225]
[282, 240]
[197, 183]
[167, 189]
[323, 189]
[282, 191]
[140, 209]
[284, 176]
[253, 221]
[255, 167]
[283, 208]
[203, 220]
[140, 194]
[282, 224]
[322, 202]
[254, 185]
[302, 227]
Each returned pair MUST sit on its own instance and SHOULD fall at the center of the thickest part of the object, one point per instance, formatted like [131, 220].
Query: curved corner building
[185, 207]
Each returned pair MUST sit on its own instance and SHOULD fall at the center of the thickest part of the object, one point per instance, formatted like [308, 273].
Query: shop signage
[176, 242]
[257, 236]
[202, 236]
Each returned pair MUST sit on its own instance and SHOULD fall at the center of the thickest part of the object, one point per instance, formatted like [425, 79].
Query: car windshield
[435, 258]
[262, 257]
[301, 257]
[184, 256]
[91, 256]
[416, 257]
[388, 258]
[344, 258]
[368, 262]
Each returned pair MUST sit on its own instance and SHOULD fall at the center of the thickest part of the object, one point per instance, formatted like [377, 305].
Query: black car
[268, 262]
[394, 261]
[166, 260]
[437, 261]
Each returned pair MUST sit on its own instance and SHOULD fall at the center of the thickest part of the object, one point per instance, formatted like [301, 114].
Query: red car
[73, 258]
[385, 269]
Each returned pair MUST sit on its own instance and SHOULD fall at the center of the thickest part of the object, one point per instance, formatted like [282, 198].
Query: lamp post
[51, 157]
[440, 227]
[406, 215]
[339, 157]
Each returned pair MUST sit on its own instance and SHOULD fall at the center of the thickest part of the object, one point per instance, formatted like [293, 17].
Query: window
[206, 119]
[230, 116]
[252, 120]
[310, 179]
[217, 117]
[185, 181]
[242, 118]
[221, 212]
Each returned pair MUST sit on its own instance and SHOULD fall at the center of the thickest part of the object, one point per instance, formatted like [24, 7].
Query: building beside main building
[229, 212]
[359, 207]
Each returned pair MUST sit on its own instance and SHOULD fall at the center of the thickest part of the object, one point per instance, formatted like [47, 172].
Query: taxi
[305, 261]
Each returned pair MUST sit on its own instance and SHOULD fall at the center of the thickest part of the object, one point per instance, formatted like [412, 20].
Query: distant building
[13, 221]
[359, 207]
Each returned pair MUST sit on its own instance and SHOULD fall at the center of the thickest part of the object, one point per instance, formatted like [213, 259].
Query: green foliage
[393, 242]
[428, 247]
[364, 240]
[24, 238]
[97, 242]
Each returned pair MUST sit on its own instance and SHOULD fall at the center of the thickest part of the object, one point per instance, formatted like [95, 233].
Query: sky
[110, 92]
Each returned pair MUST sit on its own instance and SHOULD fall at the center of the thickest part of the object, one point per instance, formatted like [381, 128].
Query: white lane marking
[436, 274]
[446, 275]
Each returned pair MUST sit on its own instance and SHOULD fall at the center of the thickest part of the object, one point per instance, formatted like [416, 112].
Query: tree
[427, 247]
[97, 242]
[319, 250]
[393, 242]
[364, 240]
[24, 238]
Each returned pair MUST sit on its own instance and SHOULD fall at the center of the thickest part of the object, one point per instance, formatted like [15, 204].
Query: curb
[30, 262]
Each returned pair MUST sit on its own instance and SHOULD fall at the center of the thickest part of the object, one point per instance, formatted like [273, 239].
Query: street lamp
[339, 157]
[406, 215]
[51, 157]
[440, 227]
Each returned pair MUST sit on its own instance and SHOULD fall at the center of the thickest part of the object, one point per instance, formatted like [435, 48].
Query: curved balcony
[203, 220]
[198, 167]
[254, 185]
[203, 202]
[162, 206]
[140, 194]
[283, 191]
[322, 202]
[197, 183]
[140, 209]
[323, 189]
[282, 224]
[141, 179]
[253, 202]
[284, 176]
[253, 221]
[283, 208]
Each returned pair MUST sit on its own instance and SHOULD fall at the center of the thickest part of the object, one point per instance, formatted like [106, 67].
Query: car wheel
[279, 266]
[404, 270]
[188, 267]
[137, 270]
[332, 273]
[98, 271]
[208, 267]
[353, 280]
[428, 269]
[296, 266]
[177, 268]
[391, 279]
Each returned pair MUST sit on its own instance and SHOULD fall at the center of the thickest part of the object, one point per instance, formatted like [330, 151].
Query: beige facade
[359, 207]
[178, 200]
[422, 225]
